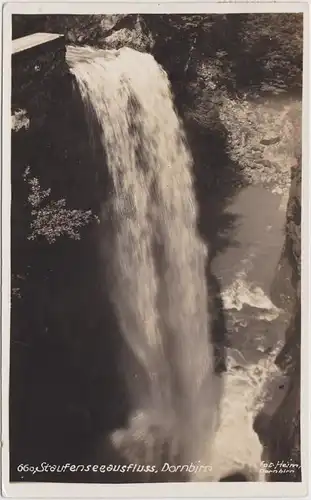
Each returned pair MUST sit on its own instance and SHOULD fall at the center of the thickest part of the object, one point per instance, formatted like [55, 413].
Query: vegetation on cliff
[51, 218]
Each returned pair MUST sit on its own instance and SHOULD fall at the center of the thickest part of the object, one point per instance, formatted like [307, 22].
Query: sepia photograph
[154, 319]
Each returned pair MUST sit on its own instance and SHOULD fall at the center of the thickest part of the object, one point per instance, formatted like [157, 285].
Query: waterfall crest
[156, 257]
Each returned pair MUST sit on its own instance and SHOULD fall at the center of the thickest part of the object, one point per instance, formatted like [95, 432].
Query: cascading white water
[156, 258]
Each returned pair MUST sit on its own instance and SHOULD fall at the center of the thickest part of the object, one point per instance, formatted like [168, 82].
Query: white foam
[241, 293]
[236, 447]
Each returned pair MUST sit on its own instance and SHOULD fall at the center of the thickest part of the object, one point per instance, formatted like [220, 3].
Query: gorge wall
[280, 431]
[63, 369]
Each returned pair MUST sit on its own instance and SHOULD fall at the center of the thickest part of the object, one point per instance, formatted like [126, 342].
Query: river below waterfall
[255, 327]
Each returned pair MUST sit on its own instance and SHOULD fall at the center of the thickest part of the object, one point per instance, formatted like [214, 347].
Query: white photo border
[168, 490]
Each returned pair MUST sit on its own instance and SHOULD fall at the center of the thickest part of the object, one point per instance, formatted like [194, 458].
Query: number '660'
[25, 468]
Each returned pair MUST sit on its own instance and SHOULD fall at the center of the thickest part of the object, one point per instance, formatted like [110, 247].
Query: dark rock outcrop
[280, 432]
[63, 365]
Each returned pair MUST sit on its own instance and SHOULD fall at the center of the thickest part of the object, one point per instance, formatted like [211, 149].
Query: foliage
[264, 137]
[52, 219]
[242, 51]
[271, 43]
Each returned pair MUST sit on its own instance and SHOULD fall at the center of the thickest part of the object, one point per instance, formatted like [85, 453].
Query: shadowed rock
[280, 432]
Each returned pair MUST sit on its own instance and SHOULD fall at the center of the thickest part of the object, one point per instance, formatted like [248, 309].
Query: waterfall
[156, 258]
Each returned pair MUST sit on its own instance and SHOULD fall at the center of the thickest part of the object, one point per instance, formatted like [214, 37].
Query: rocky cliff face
[280, 431]
[62, 366]
[38, 74]
[49, 142]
